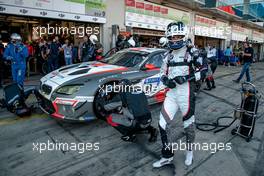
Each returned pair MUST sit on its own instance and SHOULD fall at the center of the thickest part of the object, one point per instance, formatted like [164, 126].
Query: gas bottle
[248, 118]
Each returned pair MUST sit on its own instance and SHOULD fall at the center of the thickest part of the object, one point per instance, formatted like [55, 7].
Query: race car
[73, 92]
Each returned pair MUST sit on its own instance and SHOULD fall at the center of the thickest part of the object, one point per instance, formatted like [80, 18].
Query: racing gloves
[170, 83]
[180, 79]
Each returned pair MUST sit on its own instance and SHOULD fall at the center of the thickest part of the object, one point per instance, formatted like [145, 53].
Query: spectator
[254, 59]
[213, 58]
[207, 48]
[44, 49]
[37, 47]
[87, 49]
[75, 56]
[67, 48]
[99, 51]
[212, 65]
[120, 43]
[136, 38]
[54, 51]
[236, 53]
[248, 59]
[30, 48]
[227, 55]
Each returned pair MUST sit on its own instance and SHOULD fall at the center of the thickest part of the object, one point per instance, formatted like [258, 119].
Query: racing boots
[166, 161]
[162, 162]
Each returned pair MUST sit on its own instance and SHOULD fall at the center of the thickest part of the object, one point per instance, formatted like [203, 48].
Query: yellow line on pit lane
[15, 119]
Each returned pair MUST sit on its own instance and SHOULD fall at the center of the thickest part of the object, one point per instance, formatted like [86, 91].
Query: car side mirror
[149, 67]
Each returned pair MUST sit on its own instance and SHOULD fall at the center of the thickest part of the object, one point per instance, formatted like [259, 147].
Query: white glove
[197, 75]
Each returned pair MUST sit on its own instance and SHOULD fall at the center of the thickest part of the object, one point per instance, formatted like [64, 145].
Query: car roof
[144, 49]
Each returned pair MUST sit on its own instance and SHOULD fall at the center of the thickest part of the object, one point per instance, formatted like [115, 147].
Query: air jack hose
[215, 125]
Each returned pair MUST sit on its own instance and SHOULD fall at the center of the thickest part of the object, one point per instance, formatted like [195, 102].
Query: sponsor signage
[258, 36]
[147, 15]
[240, 33]
[148, 32]
[78, 10]
[211, 28]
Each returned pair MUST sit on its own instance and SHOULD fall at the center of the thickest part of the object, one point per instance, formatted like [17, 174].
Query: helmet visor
[175, 38]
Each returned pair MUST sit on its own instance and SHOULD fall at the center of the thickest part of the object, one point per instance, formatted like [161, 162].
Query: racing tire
[99, 102]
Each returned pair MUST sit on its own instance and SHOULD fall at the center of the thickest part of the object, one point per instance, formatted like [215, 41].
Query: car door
[151, 69]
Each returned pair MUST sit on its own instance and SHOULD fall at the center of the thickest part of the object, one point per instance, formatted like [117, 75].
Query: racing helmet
[176, 29]
[132, 42]
[93, 38]
[15, 37]
[163, 41]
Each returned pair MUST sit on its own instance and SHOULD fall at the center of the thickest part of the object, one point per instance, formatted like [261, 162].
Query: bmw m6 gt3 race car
[72, 92]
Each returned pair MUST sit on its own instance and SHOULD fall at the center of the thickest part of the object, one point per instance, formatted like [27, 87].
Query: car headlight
[69, 90]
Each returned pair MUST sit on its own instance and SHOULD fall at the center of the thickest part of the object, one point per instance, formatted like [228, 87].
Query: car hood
[71, 72]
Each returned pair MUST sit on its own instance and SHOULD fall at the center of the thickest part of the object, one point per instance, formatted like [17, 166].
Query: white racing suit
[178, 63]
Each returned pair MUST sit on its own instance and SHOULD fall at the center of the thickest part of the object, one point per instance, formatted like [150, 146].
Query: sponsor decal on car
[108, 77]
[128, 72]
[85, 98]
[152, 80]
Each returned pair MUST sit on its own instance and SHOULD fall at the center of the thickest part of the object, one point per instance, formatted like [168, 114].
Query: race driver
[178, 75]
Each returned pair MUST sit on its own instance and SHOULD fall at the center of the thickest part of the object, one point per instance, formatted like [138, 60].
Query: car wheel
[98, 107]
[100, 100]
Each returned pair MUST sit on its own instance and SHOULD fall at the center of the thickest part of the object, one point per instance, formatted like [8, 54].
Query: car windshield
[127, 59]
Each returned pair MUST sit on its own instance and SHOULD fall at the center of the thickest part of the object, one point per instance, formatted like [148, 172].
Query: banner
[148, 32]
[79, 10]
[258, 36]
[151, 16]
[240, 33]
[211, 28]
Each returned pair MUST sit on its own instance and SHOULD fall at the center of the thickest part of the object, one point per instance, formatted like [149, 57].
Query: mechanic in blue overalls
[17, 53]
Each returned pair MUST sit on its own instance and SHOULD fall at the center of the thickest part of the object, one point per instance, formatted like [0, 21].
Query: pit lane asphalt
[116, 157]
